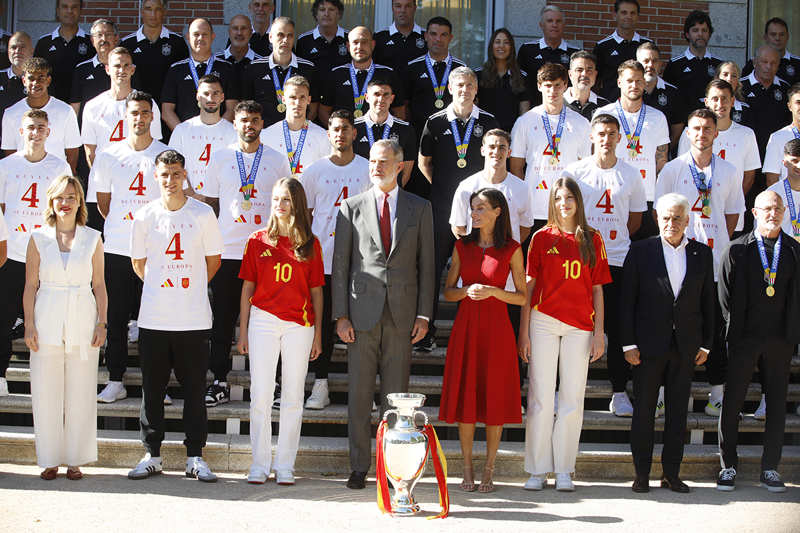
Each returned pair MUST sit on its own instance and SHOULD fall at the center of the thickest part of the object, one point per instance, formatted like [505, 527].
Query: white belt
[74, 292]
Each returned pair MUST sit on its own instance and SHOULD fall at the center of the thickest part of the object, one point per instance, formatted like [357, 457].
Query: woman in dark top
[502, 89]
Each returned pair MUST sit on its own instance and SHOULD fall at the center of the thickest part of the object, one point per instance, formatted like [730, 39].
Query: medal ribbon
[360, 94]
[633, 140]
[796, 132]
[461, 147]
[193, 71]
[294, 155]
[278, 85]
[553, 143]
[699, 180]
[249, 180]
[792, 209]
[770, 271]
[438, 87]
[371, 136]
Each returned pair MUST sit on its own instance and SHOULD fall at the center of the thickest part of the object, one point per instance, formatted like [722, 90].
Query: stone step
[329, 456]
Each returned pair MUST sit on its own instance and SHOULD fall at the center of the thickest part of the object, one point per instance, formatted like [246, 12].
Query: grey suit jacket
[364, 278]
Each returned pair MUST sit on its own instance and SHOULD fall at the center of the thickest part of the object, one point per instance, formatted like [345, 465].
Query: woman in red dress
[482, 351]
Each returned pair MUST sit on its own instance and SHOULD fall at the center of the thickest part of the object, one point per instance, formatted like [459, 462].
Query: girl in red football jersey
[561, 330]
[281, 313]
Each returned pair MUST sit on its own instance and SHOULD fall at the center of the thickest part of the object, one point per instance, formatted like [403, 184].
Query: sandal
[49, 474]
[74, 473]
[486, 483]
[468, 483]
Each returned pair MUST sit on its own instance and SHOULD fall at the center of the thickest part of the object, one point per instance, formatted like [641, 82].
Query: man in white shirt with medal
[774, 168]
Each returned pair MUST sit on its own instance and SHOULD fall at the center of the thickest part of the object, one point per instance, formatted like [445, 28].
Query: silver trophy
[405, 450]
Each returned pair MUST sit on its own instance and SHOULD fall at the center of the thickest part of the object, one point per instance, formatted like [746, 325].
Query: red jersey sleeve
[316, 271]
[535, 255]
[600, 273]
[249, 271]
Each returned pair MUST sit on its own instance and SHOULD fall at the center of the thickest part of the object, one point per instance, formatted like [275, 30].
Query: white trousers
[269, 337]
[552, 446]
[64, 397]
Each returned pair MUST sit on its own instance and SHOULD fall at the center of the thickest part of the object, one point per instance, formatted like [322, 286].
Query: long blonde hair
[300, 235]
[57, 186]
[584, 233]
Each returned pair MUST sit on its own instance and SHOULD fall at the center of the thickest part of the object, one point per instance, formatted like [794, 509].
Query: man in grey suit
[382, 290]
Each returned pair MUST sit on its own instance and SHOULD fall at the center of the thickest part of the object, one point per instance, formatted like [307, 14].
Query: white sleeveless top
[65, 311]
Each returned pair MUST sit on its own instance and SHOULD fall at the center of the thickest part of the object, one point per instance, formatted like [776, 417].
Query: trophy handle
[389, 412]
[425, 416]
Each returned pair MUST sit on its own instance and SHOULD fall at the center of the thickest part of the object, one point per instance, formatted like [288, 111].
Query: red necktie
[386, 225]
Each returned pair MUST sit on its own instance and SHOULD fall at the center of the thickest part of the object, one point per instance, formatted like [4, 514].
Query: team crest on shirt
[82, 49]
[421, 44]
[478, 130]
[342, 50]
[612, 234]
[711, 70]
[564, 58]
[394, 137]
[789, 68]
[185, 283]
[778, 95]
[662, 99]
[166, 49]
[736, 116]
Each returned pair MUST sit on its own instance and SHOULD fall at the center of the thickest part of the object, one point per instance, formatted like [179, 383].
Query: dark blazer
[649, 310]
[747, 310]
[363, 277]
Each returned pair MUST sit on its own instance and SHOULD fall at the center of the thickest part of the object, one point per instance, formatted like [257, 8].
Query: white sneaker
[536, 482]
[761, 411]
[714, 406]
[196, 467]
[113, 391]
[3, 387]
[256, 476]
[620, 404]
[319, 395]
[564, 483]
[167, 399]
[133, 331]
[148, 466]
[284, 477]
[660, 403]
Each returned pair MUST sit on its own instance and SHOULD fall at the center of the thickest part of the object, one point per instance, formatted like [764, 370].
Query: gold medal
[246, 205]
[281, 108]
[438, 103]
[632, 153]
[770, 291]
[461, 163]
[553, 160]
[707, 210]
[797, 238]
[358, 113]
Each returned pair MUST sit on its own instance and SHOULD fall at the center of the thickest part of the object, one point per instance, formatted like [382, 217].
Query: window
[763, 10]
[356, 13]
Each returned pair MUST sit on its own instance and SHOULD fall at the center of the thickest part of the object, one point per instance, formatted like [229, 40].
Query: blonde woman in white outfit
[65, 324]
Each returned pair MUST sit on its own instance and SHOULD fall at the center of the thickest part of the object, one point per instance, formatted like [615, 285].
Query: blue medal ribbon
[770, 271]
[193, 72]
[249, 180]
[294, 155]
[796, 132]
[360, 94]
[438, 86]
[371, 136]
[278, 85]
[633, 140]
[792, 209]
[554, 142]
[461, 147]
[700, 180]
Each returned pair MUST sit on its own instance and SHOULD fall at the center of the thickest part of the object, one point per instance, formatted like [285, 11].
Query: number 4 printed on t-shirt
[137, 185]
[117, 134]
[31, 197]
[342, 196]
[174, 248]
[607, 207]
[205, 157]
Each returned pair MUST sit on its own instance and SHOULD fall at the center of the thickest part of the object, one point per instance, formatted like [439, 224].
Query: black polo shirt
[337, 88]
[63, 57]
[586, 110]
[325, 55]
[399, 131]
[691, 75]
[419, 89]
[788, 71]
[4, 61]
[258, 43]
[89, 79]
[668, 99]
[11, 90]
[437, 142]
[502, 100]
[611, 52]
[533, 55]
[394, 49]
[179, 87]
[258, 85]
[153, 60]
[768, 109]
[238, 66]
[741, 114]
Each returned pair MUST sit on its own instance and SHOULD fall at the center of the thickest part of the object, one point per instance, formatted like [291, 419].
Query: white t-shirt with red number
[199, 143]
[315, 146]
[773, 156]
[104, 121]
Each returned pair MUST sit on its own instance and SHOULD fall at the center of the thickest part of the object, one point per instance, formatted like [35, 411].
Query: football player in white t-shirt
[104, 119]
[65, 138]
[614, 200]
[122, 181]
[735, 143]
[773, 157]
[175, 249]
[327, 183]
[645, 135]
[24, 178]
[201, 137]
[239, 185]
[301, 140]
[548, 138]
[712, 186]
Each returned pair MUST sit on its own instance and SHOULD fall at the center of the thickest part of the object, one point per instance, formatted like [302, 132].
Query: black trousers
[775, 361]
[321, 365]
[649, 226]
[443, 241]
[186, 352]
[226, 295]
[674, 371]
[124, 294]
[717, 363]
[619, 371]
[12, 284]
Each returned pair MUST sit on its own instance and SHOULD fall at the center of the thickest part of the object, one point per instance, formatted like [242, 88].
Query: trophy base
[404, 505]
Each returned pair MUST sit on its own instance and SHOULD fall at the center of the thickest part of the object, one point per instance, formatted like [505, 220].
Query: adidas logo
[363, 139]
[52, 48]
[751, 95]
[447, 132]
[552, 251]
[266, 253]
[346, 82]
[542, 186]
[614, 53]
[137, 51]
[266, 77]
[389, 42]
[313, 51]
[423, 76]
[188, 77]
[538, 57]
[687, 69]
[90, 77]
[167, 283]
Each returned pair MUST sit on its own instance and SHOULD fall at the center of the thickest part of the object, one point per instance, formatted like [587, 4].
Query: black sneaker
[217, 393]
[726, 480]
[771, 480]
[427, 344]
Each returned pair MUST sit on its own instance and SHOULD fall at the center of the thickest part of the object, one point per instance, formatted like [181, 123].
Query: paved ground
[106, 501]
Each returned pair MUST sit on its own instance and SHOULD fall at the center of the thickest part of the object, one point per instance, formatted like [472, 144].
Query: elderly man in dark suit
[667, 326]
[382, 290]
[759, 291]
